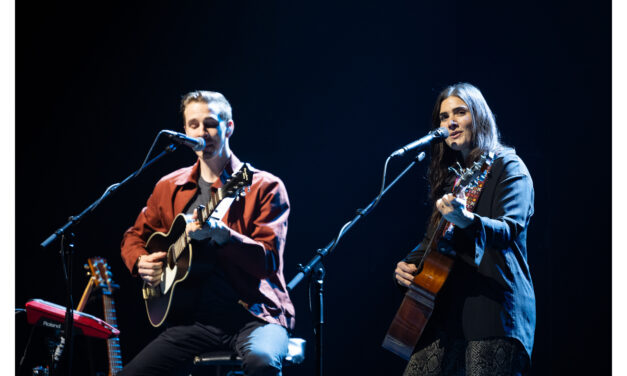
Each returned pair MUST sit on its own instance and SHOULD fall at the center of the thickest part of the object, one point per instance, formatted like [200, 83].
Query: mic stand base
[67, 255]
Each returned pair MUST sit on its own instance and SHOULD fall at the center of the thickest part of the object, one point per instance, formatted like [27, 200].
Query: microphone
[197, 144]
[436, 134]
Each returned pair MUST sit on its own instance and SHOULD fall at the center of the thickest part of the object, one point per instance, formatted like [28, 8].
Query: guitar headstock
[469, 175]
[234, 187]
[99, 270]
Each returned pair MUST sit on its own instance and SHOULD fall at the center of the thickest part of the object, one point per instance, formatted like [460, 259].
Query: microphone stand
[315, 267]
[67, 248]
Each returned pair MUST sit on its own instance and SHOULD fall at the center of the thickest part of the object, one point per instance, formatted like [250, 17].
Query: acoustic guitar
[159, 299]
[101, 275]
[434, 268]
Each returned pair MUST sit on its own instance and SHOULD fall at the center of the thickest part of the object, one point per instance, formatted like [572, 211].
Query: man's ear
[230, 127]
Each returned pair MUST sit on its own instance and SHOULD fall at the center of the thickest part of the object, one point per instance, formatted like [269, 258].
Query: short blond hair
[217, 100]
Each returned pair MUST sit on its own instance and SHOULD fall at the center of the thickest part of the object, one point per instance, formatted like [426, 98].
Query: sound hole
[171, 255]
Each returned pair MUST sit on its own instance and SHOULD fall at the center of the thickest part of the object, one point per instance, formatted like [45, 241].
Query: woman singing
[484, 317]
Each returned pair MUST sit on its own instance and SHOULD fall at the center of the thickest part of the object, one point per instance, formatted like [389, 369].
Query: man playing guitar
[235, 295]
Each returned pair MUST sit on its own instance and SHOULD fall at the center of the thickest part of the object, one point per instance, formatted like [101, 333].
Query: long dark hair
[485, 138]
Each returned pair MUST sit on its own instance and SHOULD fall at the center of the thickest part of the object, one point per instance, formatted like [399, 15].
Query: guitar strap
[472, 192]
[225, 204]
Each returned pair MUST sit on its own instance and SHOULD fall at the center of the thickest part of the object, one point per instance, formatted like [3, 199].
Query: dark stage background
[322, 93]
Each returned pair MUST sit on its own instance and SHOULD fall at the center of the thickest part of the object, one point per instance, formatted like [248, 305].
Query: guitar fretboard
[213, 203]
[113, 344]
[179, 245]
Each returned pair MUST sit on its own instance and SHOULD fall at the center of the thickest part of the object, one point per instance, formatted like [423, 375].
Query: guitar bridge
[150, 292]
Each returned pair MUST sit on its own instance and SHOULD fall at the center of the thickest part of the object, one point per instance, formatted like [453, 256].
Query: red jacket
[252, 260]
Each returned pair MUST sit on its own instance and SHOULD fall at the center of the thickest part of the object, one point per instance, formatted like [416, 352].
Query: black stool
[219, 359]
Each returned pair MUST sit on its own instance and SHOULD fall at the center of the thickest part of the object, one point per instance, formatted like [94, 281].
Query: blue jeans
[261, 345]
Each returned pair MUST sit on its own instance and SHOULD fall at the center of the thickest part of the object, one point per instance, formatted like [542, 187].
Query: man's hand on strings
[454, 210]
[212, 229]
[405, 273]
[150, 267]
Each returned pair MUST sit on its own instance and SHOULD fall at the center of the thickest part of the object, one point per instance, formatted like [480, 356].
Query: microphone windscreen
[442, 132]
[201, 144]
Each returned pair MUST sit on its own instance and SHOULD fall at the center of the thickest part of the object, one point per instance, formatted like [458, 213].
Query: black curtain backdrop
[322, 92]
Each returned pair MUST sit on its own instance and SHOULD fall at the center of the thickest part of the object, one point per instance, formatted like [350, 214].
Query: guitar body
[417, 306]
[158, 299]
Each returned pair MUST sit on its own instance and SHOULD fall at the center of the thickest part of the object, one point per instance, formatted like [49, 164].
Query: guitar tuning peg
[237, 198]
[453, 170]
[86, 267]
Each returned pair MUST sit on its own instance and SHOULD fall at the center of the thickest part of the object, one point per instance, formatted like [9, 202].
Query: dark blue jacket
[489, 292]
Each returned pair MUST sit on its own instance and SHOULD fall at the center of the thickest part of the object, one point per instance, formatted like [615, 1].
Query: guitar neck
[435, 238]
[213, 203]
[437, 232]
[182, 242]
[113, 344]
[466, 179]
